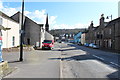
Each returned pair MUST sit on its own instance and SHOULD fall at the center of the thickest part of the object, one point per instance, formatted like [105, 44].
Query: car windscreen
[47, 41]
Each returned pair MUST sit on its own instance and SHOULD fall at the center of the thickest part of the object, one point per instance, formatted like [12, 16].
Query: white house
[82, 38]
[119, 9]
[10, 38]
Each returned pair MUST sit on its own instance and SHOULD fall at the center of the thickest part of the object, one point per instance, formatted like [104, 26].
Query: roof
[6, 16]
[28, 18]
[41, 25]
[113, 21]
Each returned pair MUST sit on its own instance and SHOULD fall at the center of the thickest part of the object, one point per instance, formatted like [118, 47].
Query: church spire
[47, 24]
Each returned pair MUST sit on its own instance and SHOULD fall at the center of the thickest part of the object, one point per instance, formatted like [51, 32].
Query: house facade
[112, 34]
[83, 38]
[10, 38]
[32, 30]
[106, 35]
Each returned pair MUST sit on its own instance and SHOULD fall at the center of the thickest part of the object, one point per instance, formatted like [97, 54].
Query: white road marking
[103, 60]
[115, 64]
[98, 57]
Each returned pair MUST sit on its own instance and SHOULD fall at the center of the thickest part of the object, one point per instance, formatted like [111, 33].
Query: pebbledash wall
[10, 37]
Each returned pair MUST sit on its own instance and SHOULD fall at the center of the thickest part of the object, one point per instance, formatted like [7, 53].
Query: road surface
[66, 60]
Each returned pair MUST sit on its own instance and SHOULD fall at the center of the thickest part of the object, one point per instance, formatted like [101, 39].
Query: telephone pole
[21, 34]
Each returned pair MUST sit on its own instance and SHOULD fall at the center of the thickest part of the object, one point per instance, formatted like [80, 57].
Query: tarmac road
[66, 60]
[36, 64]
[84, 62]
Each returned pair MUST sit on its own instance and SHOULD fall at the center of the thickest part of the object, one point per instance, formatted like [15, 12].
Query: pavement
[36, 64]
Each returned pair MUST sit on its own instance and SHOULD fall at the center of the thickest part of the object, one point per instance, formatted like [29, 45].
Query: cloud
[8, 10]
[52, 19]
[38, 16]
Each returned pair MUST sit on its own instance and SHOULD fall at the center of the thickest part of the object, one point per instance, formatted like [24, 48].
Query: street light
[21, 32]
[108, 17]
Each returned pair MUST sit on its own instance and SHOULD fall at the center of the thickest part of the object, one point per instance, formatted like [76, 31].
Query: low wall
[16, 49]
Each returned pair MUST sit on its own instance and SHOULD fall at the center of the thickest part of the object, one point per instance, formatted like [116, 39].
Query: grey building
[34, 33]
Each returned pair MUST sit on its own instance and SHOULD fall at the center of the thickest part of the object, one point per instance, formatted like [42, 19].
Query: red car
[48, 44]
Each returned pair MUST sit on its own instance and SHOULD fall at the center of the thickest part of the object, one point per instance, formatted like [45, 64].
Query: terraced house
[106, 35]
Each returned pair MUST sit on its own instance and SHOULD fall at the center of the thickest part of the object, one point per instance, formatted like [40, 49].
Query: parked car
[59, 41]
[71, 41]
[86, 44]
[92, 45]
[48, 44]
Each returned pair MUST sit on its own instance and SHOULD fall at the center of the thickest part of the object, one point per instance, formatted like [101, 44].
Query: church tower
[47, 24]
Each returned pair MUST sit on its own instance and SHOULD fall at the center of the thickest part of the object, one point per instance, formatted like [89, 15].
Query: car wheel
[42, 48]
[50, 48]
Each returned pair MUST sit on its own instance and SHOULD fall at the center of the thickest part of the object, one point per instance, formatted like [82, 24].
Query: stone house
[106, 35]
[112, 34]
[89, 35]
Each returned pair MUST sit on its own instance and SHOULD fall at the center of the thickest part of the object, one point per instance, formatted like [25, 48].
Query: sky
[64, 15]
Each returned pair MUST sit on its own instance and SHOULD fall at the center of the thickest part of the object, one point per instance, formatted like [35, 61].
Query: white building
[10, 37]
[119, 9]
[82, 38]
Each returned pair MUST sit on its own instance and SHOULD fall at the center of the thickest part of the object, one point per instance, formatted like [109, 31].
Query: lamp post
[21, 34]
[108, 17]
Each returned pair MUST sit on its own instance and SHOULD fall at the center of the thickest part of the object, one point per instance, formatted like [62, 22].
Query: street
[66, 60]
[36, 64]
[83, 62]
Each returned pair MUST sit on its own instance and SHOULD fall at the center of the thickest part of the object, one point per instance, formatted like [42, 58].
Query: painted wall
[10, 37]
[48, 36]
[83, 38]
[77, 38]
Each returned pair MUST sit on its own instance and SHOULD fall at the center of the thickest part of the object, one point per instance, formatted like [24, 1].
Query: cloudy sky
[63, 15]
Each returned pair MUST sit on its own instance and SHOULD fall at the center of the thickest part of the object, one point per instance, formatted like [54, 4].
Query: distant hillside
[57, 32]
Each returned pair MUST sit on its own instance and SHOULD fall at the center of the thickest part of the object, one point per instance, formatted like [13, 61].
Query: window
[110, 31]
[102, 32]
[98, 33]
[13, 40]
[95, 34]
[0, 33]
[0, 21]
[109, 43]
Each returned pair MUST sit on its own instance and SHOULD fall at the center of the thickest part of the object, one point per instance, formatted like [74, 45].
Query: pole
[21, 32]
